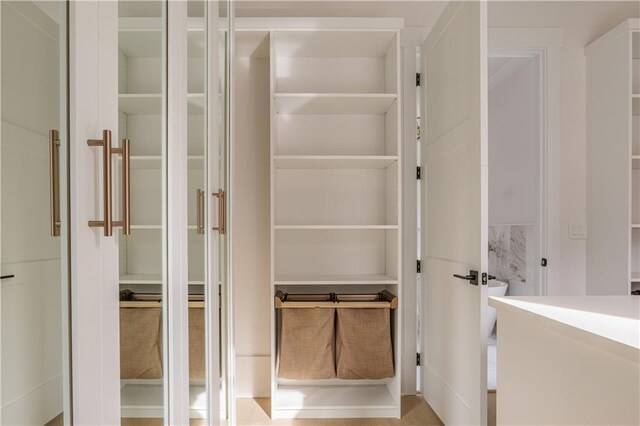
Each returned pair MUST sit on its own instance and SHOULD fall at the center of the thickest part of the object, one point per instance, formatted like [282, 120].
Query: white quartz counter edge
[611, 323]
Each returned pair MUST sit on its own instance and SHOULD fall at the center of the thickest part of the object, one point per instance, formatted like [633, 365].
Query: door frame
[546, 43]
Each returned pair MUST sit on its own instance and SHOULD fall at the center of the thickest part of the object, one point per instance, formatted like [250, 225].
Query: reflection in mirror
[34, 313]
[141, 94]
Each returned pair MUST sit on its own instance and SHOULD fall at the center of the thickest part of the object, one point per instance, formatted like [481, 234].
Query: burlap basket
[363, 344]
[197, 369]
[140, 346]
[307, 344]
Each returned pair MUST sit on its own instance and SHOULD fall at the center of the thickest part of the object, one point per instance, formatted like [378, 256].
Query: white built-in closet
[331, 121]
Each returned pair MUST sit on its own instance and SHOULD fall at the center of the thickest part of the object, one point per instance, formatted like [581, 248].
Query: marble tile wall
[512, 257]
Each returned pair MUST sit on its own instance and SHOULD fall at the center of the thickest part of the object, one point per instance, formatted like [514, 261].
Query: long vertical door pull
[200, 227]
[107, 151]
[54, 165]
[222, 212]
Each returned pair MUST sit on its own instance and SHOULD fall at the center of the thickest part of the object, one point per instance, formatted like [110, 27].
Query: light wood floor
[255, 411]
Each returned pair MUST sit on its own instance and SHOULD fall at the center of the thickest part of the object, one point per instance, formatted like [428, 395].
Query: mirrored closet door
[142, 180]
[34, 292]
[172, 101]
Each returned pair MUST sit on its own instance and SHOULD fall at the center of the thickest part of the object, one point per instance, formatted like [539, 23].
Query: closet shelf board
[635, 225]
[333, 103]
[635, 277]
[333, 161]
[154, 279]
[142, 37]
[334, 400]
[635, 161]
[151, 103]
[333, 279]
[159, 227]
[155, 161]
[334, 227]
[147, 400]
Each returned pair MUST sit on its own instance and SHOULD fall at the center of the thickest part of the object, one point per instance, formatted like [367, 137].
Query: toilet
[496, 289]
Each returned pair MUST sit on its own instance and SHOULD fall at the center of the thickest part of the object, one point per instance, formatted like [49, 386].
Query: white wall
[514, 128]
[31, 368]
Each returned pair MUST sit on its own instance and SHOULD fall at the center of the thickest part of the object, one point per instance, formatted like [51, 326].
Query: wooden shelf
[151, 103]
[333, 161]
[635, 277]
[334, 227]
[334, 279]
[635, 161]
[635, 226]
[145, 279]
[333, 103]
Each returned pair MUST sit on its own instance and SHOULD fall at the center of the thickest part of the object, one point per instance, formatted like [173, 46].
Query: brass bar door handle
[107, 151]
[54, 189]
[200, 227]
[222, 212]
[125, 151]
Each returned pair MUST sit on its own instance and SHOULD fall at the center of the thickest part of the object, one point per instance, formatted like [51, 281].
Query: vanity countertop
[609, 322]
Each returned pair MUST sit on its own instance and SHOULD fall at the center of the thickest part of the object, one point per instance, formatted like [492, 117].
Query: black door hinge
[419, 267]
[418, 173]
[543, 262]
[417, 79]
[418, 359]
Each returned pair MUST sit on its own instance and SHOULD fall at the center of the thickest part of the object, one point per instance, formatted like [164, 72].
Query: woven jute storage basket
[363, 344]
[307, 344]
[197, 369]
[140, 346]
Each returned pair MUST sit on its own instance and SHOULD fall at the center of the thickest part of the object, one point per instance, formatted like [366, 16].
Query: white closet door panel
[25, 163]
[34, 95]
[454, 187]
[330, 135]
[94, 267]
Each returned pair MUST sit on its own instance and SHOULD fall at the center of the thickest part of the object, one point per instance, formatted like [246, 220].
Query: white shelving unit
[613, 161]
[140, 119]
[335, 192]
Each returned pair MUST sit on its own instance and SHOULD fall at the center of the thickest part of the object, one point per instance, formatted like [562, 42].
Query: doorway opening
[517, 183]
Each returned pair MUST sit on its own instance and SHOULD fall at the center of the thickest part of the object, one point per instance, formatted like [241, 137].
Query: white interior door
[454, 193]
